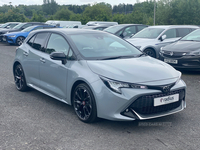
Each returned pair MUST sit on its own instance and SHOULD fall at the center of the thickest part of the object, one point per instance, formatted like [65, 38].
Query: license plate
[171, 61]
[4, 39]
[166, 100]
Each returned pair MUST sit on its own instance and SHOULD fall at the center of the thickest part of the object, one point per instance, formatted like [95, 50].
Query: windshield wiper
[141, 55]
[191, 40]
[117, 57]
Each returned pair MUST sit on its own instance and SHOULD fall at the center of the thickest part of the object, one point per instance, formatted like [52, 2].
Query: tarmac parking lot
[31, 120]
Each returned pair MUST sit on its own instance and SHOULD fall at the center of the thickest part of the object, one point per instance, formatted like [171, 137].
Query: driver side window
[57, 43]
[171, 33]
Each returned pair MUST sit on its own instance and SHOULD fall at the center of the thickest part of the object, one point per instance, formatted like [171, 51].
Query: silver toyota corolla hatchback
[99, 74]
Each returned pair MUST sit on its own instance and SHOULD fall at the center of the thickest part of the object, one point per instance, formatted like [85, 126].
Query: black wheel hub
[82, 103]
[19, 77]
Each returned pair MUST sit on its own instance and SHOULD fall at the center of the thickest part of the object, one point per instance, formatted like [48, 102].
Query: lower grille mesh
[145, 104]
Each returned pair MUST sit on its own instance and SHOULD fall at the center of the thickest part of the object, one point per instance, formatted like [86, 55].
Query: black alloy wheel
[84, 103]
[150, 52]
[20, 40]
[19, 78]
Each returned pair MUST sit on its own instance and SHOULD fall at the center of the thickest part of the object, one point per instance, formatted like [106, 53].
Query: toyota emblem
[171, 53]
[166, 89]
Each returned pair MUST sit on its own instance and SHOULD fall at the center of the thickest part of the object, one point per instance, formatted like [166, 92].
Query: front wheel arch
[16, 42]
[152, 50]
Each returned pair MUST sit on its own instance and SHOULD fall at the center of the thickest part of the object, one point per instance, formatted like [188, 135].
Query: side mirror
[132, 35]
[59, 56]
[124, 34]
[163, 37]
[8, 27]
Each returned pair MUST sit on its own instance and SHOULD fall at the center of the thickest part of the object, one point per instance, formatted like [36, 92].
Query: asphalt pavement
[33, 121]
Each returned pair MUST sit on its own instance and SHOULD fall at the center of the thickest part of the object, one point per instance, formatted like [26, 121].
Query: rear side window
[37, 42]
[130, 30]
[183, 31]
[30, 42]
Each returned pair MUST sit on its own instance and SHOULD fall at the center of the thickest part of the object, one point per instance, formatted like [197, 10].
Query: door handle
[42, 60]
[25, 53]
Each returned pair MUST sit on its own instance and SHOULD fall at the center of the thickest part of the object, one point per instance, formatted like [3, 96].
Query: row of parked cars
[151, 40]
[178, 45]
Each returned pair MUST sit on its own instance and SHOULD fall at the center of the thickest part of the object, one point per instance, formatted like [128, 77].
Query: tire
[150, 52]
[19, 77]
[84, 104]
[20, 40]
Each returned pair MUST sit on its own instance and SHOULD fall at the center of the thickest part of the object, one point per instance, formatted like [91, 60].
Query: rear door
[34, 51]
[53, 73]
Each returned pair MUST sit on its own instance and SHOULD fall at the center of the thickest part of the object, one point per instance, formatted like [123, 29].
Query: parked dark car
[98, 27]
[125, 30]
[184, 54]
[19, 27]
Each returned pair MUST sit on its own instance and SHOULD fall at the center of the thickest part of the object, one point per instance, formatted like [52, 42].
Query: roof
[174, 26]
[69, 31]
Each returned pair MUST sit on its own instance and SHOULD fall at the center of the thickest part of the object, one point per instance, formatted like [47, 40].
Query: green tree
[14, 16]
[63, 14]
[50, 7]
[98, 12]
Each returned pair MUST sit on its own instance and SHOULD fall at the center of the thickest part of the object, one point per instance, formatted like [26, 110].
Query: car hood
[140, 41]
[10, 30]
[183, 46]
[15, 33]
[134, 70]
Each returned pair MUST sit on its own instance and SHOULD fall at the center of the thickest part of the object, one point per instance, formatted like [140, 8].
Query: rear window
[183, 31]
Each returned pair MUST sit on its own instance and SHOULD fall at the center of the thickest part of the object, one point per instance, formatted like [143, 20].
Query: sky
[66, 2]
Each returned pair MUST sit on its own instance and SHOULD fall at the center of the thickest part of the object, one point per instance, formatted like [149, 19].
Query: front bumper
[113, 106]
[8, 39]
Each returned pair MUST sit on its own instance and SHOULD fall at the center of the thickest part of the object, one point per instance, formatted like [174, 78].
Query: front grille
[145, 104]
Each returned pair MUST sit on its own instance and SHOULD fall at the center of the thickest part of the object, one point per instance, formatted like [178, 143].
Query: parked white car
[151, 39]
[63, 23]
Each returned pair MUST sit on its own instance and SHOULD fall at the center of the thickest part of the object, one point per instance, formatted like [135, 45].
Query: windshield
[113, 29]
[193, 36]
[103, 46]
[4, 25]
[149, 33]
[19, 26]
[28, 29]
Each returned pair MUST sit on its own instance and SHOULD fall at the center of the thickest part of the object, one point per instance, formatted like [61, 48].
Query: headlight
[161, 50]
[117, 85]
[179, 78]
[12, 36]
[193, 53]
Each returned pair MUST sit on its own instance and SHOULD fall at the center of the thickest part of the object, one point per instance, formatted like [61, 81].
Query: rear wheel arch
[15, 64]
